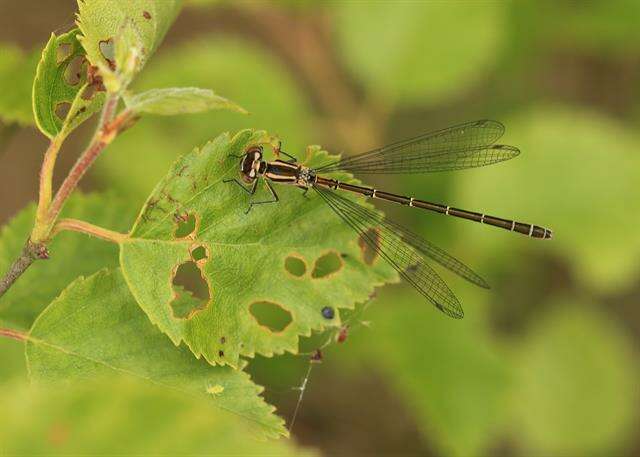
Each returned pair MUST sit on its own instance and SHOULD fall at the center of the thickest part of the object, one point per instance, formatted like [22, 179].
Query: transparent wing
[467, 145]
[405, 251]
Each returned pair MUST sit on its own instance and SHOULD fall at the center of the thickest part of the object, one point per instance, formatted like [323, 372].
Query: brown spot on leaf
[146, 15]
[271, 316]
[367, 241]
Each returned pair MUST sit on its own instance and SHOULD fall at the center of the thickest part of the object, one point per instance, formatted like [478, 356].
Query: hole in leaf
[107, 49]
[75, 69]
[186, 225]
[369, 254]
[295, 265]
[88, 92]
[63, 52]
[62, 109]
[326, 265]
[270, 315]
[192, 291]
[199, 253]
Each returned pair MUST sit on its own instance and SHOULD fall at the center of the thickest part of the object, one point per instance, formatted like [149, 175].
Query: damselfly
[468, 145]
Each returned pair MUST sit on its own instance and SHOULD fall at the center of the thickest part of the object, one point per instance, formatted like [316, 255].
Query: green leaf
[101, 20]
[563, 177]
[94, 328]
[178, 100]
[16, 70]
[122, 417]
[55, 86]
[413, 52]
[72, 254]
[246, 255]
[578, 384]
[450, 373]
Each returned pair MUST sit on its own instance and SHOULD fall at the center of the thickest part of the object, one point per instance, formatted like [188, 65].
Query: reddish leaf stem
[76, 225]
[13, 334]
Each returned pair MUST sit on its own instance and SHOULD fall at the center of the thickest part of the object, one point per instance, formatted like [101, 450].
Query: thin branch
[76, 225]
[46, 179]
[104, 135]
[30, 253]
[13, 334]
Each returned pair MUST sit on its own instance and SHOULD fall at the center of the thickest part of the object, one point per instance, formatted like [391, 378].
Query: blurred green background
[545, 363]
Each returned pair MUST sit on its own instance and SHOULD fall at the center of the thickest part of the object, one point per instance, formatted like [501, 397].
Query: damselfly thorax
[467, 145]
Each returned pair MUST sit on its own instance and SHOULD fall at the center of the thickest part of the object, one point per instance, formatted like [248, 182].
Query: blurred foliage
[122, 416]
[451, 374]
[545, 363]
[576, 175]
[577, 386]
[409, 52]
[16, 78]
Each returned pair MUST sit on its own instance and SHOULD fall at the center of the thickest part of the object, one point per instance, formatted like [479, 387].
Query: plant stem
[103, 136]
[46, 178]
[30, 253]
[49, 210]
[76, 225]
[13, 334]
[107, 130]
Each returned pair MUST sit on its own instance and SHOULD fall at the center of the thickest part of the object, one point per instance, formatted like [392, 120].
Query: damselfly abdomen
[468, 145]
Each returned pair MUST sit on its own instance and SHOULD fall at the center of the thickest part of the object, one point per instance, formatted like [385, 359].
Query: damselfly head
[250, 165]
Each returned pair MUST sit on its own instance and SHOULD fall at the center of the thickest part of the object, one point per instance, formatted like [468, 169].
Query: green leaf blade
[51, 88]
[246, 256]
[179, 100]
[16, 69]
[122, 416]
[94, 328]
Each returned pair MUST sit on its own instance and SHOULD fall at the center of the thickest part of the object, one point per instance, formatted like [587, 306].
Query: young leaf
[72, 254]
[100, 22]
[61, 82]
[122, 417]
[16, 69]
[94, 328]
[246, 256]
[178, 100]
